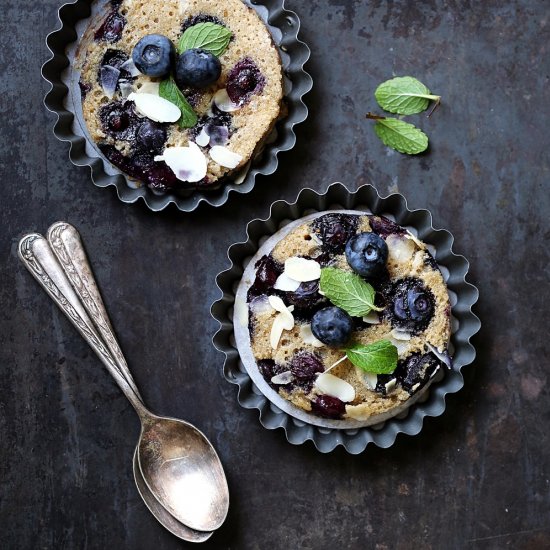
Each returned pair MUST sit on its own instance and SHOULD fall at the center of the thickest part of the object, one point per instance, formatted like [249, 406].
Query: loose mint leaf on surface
[377, 358]
[211, 37]
[401, 136]
[348, 291]
[404, 95]
[169, 90]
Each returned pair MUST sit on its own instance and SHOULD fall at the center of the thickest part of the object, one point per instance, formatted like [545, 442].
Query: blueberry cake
[180, 94]
[347, 316]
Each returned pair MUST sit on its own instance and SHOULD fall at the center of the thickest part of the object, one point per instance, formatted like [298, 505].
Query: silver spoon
[178, 464]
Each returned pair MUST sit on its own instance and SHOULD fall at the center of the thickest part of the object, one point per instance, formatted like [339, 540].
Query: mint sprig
[404, 95]
[399, 135]
[211, 37]
[169, 90]
[377, 358]
[348, 291]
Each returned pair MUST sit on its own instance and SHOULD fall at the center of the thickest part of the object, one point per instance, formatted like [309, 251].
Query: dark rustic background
[478, 477]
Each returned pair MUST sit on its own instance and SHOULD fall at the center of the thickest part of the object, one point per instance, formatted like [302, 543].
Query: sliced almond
[390, 386]
[369, 379]
[372, 318]
[443, 356]
[187, 163]
[108, 76]
[223, 102]
[285, 283]
[203, 139]
[402, 335]
[336, 387]
[302, 269]
[308, 338]
[276, 303]
[243, 173]
[149, 87]
[283, 321]
[155, 107]
[130, 67]
[283, 378]
[224, 157]
[415, 387]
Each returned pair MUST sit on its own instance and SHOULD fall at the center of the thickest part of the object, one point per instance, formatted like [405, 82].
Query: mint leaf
[401, 136]
[404, 95]
[377, 358]
[211, 37]
[169, 90]
[348, 291]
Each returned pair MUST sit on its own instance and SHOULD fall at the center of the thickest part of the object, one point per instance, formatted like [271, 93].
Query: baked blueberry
[150, 136]
[411, 305]
[244, 80]
[332, 326]
[112, 27]
[305, 365]
[197, 68]
[335, 230]
[154, 55]
[367, 254]
[328, 407]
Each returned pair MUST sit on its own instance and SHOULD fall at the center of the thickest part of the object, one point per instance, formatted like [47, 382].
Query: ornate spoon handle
[66, 244]
[39, 259]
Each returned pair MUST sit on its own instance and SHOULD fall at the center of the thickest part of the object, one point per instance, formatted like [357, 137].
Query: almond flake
[276, 303]
[308, 337]
[223, 102]
[108, 76]
[285, 283]
[155, 107]
[336, 387]
[390, 386]
[415, 387]
[283, 321]
[282, 378]
[372, 318]
[370, 379]
[149, 87]
[187, 163]
[224, 157]
[130, 67]
[400, 248]
[397, 334]
[203, 139]
[242, 174]
[420, 244]
[441, 355]
[301, 269]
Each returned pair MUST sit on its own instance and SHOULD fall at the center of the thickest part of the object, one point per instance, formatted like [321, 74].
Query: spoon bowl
[183, 471]
[165, 518]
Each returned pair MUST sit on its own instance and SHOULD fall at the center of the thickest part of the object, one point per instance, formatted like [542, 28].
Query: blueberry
[306, 296]
[154, 55]
[384, 227]
[367, 254]
[411, 305]
[329, 407]
[415, 369]
[332, 325]
[267, 273]
[244, 80]
[335, 230]
[112, 27]
[197, 68]
[305, 366]
[119, 120]
[150, 136]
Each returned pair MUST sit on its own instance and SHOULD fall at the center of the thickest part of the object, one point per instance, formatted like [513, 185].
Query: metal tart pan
[240, 368]
[64, 99]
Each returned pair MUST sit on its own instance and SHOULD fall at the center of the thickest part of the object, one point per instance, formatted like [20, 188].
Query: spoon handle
[38, 257]
[66, 244]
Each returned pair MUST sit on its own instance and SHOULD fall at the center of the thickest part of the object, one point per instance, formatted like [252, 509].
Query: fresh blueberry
[367, 254]
[150, 136]
[329, 407]
[335, 230]
[154, 55]
[197, 68]
[244, 80]
[332, 325]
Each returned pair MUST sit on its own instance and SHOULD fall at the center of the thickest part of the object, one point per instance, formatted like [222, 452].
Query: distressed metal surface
[476, 477]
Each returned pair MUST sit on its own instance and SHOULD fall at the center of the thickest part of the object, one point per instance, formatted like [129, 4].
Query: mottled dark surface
[478, 477]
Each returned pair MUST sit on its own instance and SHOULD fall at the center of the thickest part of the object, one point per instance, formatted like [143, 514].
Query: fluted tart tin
[65, 100]
[241, 369]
